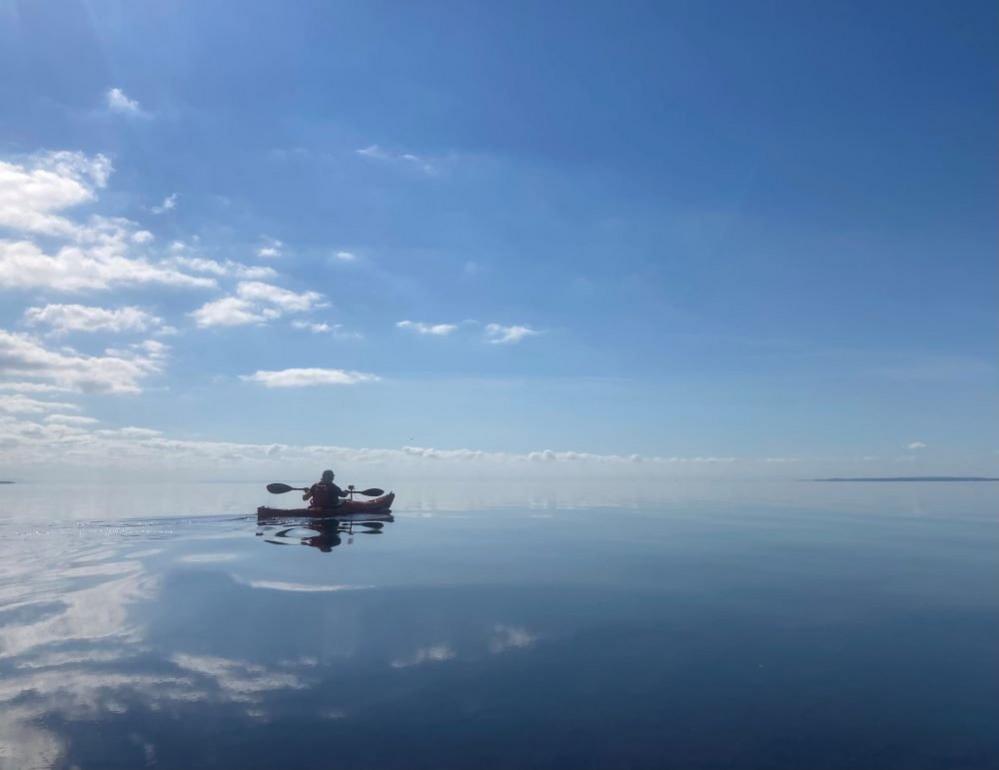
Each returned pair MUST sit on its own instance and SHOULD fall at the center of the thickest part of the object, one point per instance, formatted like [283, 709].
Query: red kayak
[347, 507]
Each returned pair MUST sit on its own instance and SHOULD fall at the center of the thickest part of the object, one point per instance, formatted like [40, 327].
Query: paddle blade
[373, 492]
[278, 489]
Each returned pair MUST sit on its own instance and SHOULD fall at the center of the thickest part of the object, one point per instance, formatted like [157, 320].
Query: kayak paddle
[373, 492]
[280, 489]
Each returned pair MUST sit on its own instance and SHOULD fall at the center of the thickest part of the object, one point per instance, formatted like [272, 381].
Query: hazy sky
[704, 232]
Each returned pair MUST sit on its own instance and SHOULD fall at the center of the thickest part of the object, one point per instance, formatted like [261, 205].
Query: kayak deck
[346, 508]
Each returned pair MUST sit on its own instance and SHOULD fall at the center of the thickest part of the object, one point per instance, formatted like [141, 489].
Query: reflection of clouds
[75, 694]
[98, 611]
[280, 585]
[148, 749]
[74, 646]
[510, 637]
[208, 558]
[94, 638]
[23, 745]
[434, 654]
[237, 681]
[45, 687]
[78, 694]
[146, 553]
[61, 602]
[54, 659]
[502, 638]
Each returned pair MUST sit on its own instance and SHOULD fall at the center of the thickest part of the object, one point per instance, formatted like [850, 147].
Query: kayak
[347, 507]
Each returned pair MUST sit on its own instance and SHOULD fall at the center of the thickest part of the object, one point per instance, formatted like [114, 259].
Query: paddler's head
[328, 477]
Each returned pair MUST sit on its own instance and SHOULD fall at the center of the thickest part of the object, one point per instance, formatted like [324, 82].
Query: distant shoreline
[911, 478]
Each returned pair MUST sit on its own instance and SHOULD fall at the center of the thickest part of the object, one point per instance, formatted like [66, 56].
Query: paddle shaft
[279, 489]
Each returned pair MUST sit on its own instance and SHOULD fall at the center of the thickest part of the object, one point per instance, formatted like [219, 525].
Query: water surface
[755, 626]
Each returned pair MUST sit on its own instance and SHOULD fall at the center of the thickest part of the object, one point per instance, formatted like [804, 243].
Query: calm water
[755, 626]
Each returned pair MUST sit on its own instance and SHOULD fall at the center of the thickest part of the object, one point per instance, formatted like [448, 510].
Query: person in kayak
[324, 494]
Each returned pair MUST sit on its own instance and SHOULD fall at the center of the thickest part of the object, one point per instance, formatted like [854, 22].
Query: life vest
[324, 496]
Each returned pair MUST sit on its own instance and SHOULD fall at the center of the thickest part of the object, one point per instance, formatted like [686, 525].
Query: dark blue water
[740, 630]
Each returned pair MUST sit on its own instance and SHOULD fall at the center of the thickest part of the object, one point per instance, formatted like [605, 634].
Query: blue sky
[727, 231]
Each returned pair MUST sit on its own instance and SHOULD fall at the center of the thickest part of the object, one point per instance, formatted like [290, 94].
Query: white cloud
[31, 387]
[374, 152]
[23, 265]
[271, 248]
[82, 318]
[228, 311]
[96, 253]
[130, 432]
[288, 301]
[695, 459]
[71, 419]
[345, 256]
[505, 335]
[20, 404]
[337, 330]
[255, 302]
[26, 443]
[916, 445]
[118, 371]
[301, 378]
[118, 102]
[315, 328]
[213, 267]
[32, 192]
[437, 330]
[169, 204]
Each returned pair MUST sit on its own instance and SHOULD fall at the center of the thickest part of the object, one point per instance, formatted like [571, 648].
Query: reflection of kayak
[347, 507]
[342, 523]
